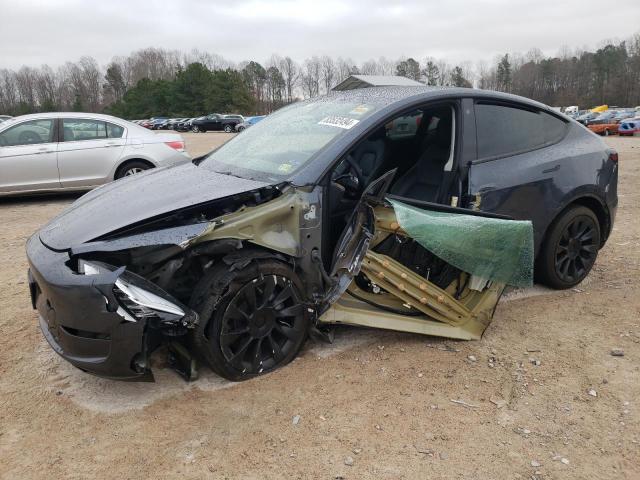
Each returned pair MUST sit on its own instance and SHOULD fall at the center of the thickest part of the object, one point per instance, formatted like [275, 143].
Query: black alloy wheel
[252, 320]
[575, 251]
[571, 248]
[261, 325]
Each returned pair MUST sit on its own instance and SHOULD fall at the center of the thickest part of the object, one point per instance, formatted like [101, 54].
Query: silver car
[78, 151]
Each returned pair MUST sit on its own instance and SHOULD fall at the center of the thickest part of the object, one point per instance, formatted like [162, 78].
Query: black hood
[137, 198]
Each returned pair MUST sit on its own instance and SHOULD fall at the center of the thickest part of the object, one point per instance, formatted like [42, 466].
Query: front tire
[252, 320]
[570, 249]
[195, 129]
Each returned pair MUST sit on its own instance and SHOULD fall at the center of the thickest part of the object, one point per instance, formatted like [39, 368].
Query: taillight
[177, 145]
[613, 157]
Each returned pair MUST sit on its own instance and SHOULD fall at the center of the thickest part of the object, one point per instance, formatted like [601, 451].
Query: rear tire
[570, 248]
[131, 168]
[228, 128]
[252, 320]
[195, 129]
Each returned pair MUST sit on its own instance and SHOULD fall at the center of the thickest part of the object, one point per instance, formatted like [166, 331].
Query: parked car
[586, 118]
[78, 151]
[171, 124]
[607, 117]
[248, 122]
[184, 125]
[159, 123]
[623, 115]
[629, 127]
[214, 122]
[4, 117]
[148, 124]
[314, 216]
[605, 129]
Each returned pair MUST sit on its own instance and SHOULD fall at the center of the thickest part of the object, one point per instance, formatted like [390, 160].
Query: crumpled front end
[102, 319]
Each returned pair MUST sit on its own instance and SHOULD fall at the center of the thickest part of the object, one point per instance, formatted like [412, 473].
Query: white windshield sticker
[340, 122]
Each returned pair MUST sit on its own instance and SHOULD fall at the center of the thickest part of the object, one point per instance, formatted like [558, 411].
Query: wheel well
[600, 211]
[596, 207]
[131, 160]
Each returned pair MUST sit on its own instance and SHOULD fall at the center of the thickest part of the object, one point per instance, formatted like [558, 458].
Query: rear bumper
[76, 322]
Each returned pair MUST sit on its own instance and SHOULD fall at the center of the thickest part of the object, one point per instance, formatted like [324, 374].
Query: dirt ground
[371, 405]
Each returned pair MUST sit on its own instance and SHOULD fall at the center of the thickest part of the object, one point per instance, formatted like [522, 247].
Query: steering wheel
[354, 187]
[29, 137]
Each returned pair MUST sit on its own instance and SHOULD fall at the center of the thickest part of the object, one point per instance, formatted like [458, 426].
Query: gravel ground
[540, 396]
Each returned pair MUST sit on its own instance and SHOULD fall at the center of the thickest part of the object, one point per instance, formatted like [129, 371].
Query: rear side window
[503, 130]
[114, 131]
[79, 129]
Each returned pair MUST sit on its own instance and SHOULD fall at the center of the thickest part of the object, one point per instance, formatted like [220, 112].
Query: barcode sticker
[340, 122]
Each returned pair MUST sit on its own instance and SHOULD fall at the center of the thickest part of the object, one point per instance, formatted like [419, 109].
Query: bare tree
[212, 61]
[311, 77]
[370, 67]
[92, 81]
[346, 67]
[26, 82]
[328, 71]
[8, 91]
[46, 89]
[291, 74]
[386, 66]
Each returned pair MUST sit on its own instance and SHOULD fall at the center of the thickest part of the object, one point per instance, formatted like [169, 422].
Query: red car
[605, 129]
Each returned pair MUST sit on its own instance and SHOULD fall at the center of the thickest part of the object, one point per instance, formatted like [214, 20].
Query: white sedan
[78, 151]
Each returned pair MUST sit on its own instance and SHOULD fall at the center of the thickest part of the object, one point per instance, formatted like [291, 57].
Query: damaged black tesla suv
[402, 208]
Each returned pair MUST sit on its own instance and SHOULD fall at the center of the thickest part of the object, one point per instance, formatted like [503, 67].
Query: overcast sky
[34, 32]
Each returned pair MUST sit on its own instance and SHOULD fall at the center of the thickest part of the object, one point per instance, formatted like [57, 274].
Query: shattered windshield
[282, 143]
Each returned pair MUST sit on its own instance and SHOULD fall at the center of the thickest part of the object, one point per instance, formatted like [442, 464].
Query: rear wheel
[570, 249]
[606, 133]
[228, 128]
[195, 129]
[132, 168]
[252, 320]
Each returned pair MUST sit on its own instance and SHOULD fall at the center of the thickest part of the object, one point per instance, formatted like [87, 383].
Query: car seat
[68, 134]
[423, 180]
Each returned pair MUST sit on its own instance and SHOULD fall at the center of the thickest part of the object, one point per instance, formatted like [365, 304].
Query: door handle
[111, 144]
[552, 169]
[44, 150]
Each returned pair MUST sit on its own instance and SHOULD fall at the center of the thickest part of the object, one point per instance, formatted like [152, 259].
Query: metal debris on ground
[465, 404]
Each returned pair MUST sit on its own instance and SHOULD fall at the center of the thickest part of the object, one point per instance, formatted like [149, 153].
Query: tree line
[155, 81]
